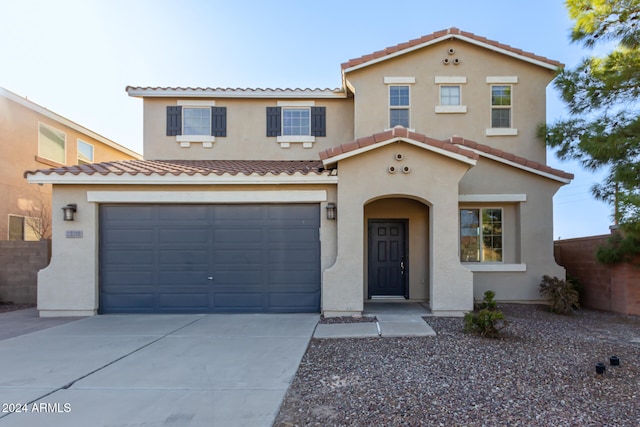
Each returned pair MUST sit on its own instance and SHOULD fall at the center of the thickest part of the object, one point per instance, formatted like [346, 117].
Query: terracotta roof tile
[190, 168]
[454, 31]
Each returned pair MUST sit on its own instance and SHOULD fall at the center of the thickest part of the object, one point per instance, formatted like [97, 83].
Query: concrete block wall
[606, 287]
[19, 266]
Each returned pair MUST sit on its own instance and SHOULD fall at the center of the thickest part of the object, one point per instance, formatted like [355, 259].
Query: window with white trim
[450, 95]
[399, 106]
[296, 121]
[85, 153]
[501, 106]
[196, 120]
[481, 237]
[52, 143]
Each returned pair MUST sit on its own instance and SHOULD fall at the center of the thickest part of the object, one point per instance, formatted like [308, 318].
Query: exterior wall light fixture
[331, 211]
[69, 211]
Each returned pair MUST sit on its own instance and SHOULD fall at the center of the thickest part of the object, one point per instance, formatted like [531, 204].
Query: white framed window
[85, 153]
[481, 238]
[399, 106]
[296, 121]
[52, 143]
[501, 106]
[450, 95]
[196, 121]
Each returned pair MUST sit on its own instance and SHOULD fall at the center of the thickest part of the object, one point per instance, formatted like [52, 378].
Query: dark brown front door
[388, 261]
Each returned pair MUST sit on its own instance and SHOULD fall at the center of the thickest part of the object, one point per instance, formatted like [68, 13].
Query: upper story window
[52, 143]
[399, 106]
[450, 94]
[296, 122]
[85, 153]
[481, 235]
[501, 90]
[501, 106]
[196, 121]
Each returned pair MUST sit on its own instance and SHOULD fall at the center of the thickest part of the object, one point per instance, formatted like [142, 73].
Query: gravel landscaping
[541, 372]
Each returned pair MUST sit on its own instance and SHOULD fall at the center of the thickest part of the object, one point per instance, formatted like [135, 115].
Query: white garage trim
[308, 196]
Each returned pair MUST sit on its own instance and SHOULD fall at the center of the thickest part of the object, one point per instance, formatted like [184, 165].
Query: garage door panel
[261, 258]
[184, 235]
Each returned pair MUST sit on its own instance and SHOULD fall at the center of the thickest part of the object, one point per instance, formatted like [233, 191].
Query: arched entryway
[396, 249]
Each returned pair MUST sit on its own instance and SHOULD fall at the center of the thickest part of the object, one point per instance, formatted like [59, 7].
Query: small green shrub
[488, 321]
[562, 295]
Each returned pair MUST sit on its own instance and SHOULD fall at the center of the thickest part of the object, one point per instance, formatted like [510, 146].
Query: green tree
[601, 93]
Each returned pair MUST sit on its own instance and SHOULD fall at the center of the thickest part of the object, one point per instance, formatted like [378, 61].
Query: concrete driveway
[153, 370]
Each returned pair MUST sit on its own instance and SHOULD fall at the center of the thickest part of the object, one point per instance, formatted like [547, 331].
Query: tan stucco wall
[18, 152]
[417, 215]
[532, 229]
[246, 132]
[528, 96]
[69, 286]
[433, 181]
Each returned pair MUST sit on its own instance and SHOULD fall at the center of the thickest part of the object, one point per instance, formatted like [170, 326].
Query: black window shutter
[174, 120]
[273, 121]
[219, 121]
[318, 121]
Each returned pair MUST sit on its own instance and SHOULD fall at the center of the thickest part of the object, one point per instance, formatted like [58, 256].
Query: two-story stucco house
[32, 137]
[419, 179]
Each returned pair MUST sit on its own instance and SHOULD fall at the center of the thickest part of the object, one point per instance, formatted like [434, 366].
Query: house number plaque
[73, 234]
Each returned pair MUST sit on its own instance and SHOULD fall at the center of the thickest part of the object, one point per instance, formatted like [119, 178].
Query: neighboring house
[33, 137]
[420, 179]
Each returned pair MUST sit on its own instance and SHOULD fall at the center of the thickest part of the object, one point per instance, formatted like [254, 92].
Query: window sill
[48, 162]
[444, 109]
[286, 140]
[495, 268]
[501, 132]
[195, 138]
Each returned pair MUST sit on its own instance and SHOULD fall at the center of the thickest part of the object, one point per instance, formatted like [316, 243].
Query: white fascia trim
[450, 79]
[496, 268]
[399, 80]
[296, 103]
[451, 109]
[456, 156]
[237, 93]
[502, 79]
[501, 132]
[519, 166]
[196, 103]
[155, 179]
[459, 37]
[490, 198]
[62, 120]
[303, 196]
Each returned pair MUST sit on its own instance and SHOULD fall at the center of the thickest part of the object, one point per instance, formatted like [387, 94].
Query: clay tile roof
[189, 167]
[454, 32]
[396, 132]
[511, 157]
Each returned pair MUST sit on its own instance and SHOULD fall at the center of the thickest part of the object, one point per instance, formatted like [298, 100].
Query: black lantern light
[69, 211]
[331, 211]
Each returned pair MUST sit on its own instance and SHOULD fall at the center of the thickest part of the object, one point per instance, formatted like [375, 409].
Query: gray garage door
[209, 258]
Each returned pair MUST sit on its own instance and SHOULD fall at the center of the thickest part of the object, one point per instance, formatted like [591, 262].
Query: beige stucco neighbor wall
[433, 181]
[528, 230]
[69, 286]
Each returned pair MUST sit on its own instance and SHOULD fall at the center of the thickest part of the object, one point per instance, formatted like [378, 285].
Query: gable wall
[529, 96]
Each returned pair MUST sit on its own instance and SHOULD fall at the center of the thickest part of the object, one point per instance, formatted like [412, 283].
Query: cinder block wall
[606, 287]
[19, 266]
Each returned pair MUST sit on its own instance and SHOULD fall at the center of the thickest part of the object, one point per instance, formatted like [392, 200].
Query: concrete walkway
[153, 370]
[393, 320]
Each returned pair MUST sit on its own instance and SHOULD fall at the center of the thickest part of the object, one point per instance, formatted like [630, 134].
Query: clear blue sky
[76, 57]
